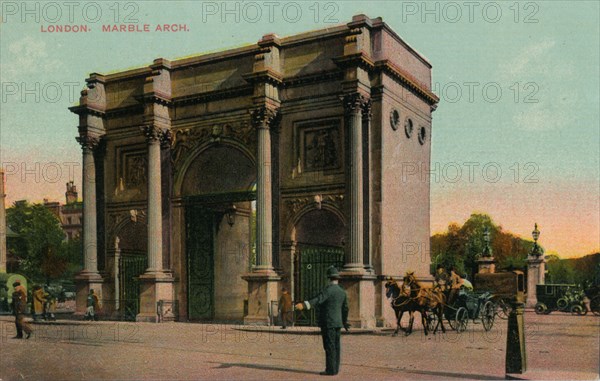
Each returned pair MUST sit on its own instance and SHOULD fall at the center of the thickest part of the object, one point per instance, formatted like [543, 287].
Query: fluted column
[368, 258]
[263, 119]
[90, 244]
[154, 136]
[354, 104]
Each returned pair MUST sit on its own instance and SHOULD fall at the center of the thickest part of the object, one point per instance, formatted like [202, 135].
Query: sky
[516, 133]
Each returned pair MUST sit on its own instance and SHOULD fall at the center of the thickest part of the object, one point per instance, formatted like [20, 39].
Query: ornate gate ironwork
[131, 267]
[313, 264]
[202, 215]
[200, 233]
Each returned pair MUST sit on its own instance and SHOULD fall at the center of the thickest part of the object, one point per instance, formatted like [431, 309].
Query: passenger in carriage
[454, 284]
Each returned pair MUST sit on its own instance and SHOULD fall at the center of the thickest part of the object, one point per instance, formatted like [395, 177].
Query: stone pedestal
[262, 290]
[360, 289]
[486, 265]
[536, 266]
[153, 288]
[85, 281]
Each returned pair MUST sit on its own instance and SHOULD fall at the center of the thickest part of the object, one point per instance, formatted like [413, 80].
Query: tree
[39, 250]
[461, 246]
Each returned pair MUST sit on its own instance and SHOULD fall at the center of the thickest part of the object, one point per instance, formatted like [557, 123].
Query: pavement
[559, 347]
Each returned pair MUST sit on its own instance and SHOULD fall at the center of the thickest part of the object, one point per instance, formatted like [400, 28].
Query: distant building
[70, 214]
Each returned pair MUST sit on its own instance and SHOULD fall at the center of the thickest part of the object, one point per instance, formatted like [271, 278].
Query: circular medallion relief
[394, 119]
[408, 127]
[422, 135]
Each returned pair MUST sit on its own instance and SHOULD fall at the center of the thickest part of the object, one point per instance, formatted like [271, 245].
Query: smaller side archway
[317, 240]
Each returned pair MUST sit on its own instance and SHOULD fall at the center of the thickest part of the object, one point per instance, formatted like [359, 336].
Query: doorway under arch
[320, 240]
[218, 188]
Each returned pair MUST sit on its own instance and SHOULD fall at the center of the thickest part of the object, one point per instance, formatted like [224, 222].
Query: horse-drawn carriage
[470, 305]
[435, 305]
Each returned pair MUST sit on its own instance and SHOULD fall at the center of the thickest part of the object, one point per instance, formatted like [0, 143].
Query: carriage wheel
[487, 315]
[578, 309]
[432, 321]
[503, 309]
[541, 309]
[595, 305]
[461, 320]
[562, 304]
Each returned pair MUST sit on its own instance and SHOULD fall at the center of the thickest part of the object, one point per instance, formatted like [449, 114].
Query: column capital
[154, 133]
[265, 117]
[367, 110]
[356, 102]
[88, 141]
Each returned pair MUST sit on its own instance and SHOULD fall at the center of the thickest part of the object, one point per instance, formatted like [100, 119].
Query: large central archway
[217, 192]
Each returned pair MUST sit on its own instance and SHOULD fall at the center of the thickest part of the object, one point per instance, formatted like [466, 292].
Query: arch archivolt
[298, 207]
[188, 143]
[129, 226]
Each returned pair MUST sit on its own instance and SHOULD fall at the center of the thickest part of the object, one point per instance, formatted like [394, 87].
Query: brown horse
[427, 299]
[403, 301]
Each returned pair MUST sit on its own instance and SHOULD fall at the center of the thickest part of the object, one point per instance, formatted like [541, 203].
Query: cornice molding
[265, 76]
[387, 67]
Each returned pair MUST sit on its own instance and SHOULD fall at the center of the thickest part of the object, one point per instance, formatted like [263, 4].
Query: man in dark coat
[19, 301]
[332, 303]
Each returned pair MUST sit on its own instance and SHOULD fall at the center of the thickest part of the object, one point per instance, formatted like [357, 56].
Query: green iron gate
[202, 215]
[313, 264]
[200, 232]
[131, 267]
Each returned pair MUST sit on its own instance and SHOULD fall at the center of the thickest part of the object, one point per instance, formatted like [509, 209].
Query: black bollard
[516, 353]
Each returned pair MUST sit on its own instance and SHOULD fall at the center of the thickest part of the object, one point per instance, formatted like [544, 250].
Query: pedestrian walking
[332, 304]
[19, 302]
[285, 309]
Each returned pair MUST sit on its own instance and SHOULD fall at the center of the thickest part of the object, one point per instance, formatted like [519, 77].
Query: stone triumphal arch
[211, 182]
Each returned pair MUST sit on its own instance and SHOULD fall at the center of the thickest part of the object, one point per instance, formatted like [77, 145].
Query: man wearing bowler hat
[333, 315]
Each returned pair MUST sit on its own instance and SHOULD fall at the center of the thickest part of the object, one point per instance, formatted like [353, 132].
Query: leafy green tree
[461, 246]
[41, 238]
[559, 270]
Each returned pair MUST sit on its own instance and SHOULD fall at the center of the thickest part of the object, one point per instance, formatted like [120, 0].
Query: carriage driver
[441, 278]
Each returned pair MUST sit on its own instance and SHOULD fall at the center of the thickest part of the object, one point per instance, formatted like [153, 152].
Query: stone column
[154, 210]
[90, 243]
[2, 225]
[88, 278]
[264, 215]
[156, 285]
[353, 104]
[358, 283]
[262, 281]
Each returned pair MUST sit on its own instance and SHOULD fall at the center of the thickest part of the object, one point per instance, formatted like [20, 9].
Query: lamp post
[487, 250]
[536, 250]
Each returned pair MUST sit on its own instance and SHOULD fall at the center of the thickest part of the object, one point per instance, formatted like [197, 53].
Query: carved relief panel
[131, 177]
[319, 145]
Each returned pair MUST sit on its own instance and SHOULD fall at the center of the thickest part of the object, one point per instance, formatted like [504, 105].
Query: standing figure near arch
[19, 301]
[333, 315]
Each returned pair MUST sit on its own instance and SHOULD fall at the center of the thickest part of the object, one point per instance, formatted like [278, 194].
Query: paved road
[559, 346]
